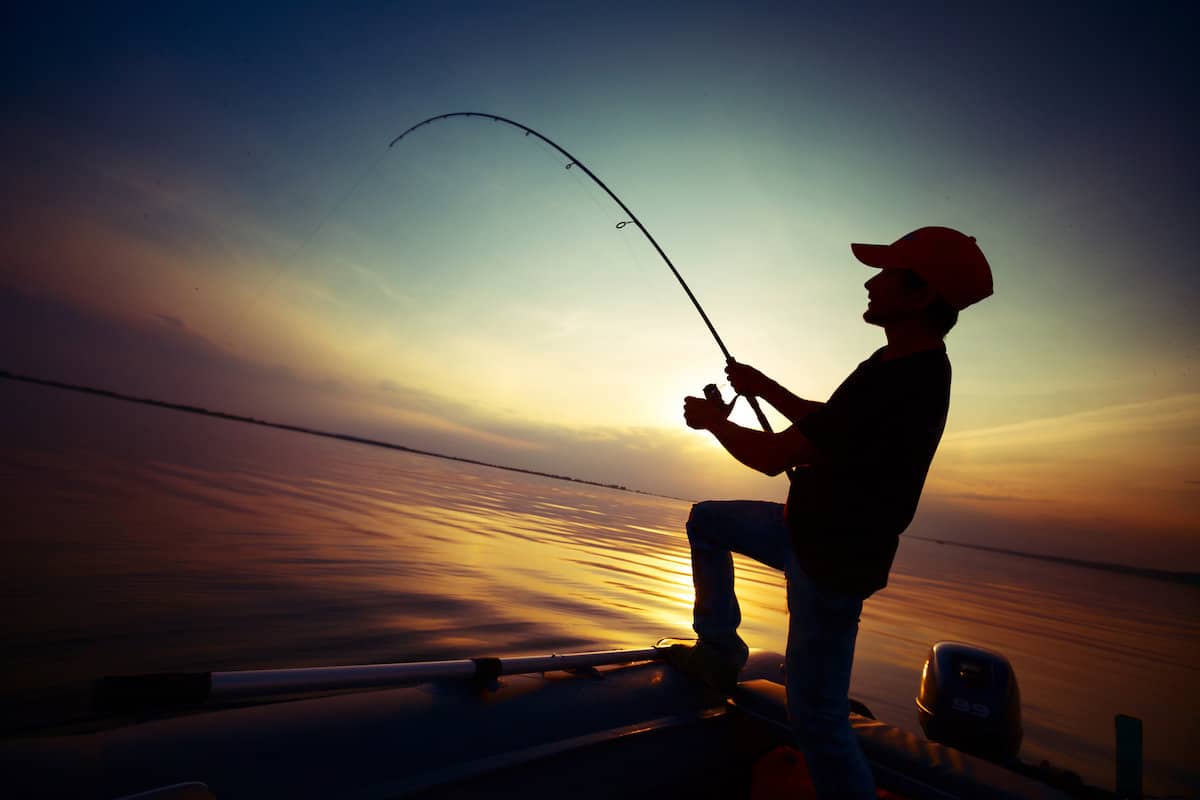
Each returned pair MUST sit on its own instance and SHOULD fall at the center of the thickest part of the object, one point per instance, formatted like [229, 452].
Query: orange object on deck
[781, 774]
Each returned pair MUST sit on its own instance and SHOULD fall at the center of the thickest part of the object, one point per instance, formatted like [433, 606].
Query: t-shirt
[876, 437]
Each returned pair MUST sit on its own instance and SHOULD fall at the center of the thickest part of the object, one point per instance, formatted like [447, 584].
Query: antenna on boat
[127, 692]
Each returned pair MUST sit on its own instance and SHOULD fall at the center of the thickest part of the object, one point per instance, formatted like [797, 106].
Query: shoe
[715, 666]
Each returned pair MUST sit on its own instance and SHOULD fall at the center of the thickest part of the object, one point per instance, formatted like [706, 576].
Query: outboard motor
[969, 700]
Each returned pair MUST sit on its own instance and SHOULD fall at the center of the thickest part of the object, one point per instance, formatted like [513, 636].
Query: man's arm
[746, 380]
[769, 453]
[793, 407]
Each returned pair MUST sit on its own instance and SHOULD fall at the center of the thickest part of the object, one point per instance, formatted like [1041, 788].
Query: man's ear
[923, 296]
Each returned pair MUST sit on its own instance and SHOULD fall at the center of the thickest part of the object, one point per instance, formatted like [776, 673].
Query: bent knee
[700, 515]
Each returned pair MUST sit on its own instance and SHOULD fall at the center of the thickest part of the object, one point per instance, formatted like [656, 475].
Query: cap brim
[875, 255]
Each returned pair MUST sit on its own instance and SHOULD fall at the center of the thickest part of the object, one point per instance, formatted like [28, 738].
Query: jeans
[822, 627]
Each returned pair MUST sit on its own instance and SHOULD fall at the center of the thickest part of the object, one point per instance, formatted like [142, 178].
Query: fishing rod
[710, 391]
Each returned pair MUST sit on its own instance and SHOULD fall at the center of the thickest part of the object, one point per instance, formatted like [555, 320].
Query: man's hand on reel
[702, 413]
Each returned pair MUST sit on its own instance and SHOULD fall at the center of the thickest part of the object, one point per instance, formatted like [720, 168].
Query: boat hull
[634, 730]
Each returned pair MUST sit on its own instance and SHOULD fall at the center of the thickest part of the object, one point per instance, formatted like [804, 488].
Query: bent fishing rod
[709, 391]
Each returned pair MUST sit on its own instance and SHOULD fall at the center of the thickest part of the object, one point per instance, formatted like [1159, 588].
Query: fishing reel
[713, 395]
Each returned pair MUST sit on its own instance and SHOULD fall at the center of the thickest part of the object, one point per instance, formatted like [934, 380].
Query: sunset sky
[200, 206]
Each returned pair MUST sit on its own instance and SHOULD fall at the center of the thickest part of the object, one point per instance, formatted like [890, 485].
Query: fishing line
[573, 162]
[313, 230]
[635, 255]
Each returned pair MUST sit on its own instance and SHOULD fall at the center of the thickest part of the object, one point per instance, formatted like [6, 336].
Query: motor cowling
[969, 700]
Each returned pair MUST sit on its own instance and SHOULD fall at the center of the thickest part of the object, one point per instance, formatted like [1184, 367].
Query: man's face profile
[892, 295]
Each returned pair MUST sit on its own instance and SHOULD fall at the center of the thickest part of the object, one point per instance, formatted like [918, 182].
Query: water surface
[138, 539]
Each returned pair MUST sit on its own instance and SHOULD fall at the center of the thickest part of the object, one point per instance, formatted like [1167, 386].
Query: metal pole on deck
[1129, 757]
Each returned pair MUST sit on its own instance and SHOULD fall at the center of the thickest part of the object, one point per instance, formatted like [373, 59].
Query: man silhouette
[859, 461]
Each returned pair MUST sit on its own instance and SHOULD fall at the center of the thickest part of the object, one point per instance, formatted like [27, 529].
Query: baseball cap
[948, 260]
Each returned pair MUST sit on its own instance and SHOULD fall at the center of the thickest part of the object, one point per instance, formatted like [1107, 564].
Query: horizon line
[1176, 576]
[345, 437]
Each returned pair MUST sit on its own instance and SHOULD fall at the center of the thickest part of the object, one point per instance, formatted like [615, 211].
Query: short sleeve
[833, 429]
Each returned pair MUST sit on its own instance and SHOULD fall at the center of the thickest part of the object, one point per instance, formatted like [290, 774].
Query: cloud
[1167, 415]
[154, 355]
[1127, 462]
[158, 356]
[992, 498]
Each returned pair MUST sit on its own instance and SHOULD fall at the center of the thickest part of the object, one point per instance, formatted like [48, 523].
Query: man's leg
[715, 530]
[822, 628]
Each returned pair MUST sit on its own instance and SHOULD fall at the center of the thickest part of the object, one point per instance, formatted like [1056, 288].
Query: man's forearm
[793, 407]
[758, 450]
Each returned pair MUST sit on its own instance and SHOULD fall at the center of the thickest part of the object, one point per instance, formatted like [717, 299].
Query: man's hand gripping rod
[714, 394]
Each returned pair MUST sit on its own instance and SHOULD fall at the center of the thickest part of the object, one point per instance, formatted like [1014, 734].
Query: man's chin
[873, 317]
